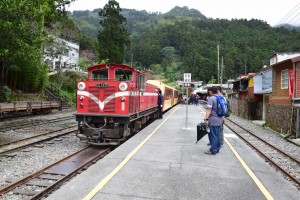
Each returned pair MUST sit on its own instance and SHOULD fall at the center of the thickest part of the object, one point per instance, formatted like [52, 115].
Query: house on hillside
[61, 54]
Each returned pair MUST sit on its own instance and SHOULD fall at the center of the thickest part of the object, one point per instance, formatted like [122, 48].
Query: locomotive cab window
[100, 74]
[123, 75]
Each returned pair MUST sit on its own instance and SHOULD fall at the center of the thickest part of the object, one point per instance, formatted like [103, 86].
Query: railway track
[44, 138]
[25, 124]
[40, 183]
[32, 137]
[285, 162]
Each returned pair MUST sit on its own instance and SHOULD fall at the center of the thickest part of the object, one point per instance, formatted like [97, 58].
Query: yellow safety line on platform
[249, 171]
[104, 181]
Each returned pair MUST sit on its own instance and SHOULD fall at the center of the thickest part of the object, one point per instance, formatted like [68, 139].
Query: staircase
[54, 93]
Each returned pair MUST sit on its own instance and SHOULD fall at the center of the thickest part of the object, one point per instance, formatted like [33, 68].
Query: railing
[60, 95]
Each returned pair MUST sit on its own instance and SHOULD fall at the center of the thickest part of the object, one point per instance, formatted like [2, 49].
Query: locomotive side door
[142, 88]
[137, 93]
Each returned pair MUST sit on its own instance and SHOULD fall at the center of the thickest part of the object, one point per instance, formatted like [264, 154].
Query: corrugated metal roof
[267, 91]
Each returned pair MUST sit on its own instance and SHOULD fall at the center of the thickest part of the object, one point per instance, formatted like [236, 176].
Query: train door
[172, 97]
[141, 92]
[135, 96]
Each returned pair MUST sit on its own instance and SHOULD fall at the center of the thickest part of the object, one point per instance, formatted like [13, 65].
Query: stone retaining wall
[281, 118]
[247, 109]
[278, 117]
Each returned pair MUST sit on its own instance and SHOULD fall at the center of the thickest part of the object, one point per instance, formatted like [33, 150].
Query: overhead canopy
[203, 89]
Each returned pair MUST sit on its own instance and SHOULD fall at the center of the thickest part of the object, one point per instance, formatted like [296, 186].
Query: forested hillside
[184, 40]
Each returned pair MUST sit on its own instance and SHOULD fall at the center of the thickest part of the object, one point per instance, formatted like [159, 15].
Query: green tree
[113, 36]
[22, 33]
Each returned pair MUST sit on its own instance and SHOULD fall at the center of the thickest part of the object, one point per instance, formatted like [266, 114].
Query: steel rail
[293, 178]
[32, 137]
[39, 141]
[26, 124]
[50, 188]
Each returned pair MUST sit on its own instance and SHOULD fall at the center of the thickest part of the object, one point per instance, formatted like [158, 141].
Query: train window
[100, 74]
[168, 94]
[123, 75]
[137, 80]
[142, 82]
[175, 94]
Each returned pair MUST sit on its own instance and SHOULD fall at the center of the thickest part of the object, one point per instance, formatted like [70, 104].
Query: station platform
[163, 161]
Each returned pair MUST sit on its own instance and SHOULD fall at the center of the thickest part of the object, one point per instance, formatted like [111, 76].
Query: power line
[296, 23]
[293, 18]
[291, 12]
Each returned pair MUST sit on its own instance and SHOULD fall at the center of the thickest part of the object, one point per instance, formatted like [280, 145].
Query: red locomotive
[116, 101]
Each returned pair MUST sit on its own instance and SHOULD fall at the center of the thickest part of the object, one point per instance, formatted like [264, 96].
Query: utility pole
[245, 66]
[218, 79]
[131, 59]
[222, 67]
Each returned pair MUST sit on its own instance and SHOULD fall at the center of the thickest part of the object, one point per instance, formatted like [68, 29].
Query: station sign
[187, 79]
[186, 85]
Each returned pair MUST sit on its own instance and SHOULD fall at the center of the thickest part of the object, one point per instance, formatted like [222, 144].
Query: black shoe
[208, 152]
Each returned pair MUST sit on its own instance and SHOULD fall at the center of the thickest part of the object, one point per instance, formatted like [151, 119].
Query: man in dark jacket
[160, 103]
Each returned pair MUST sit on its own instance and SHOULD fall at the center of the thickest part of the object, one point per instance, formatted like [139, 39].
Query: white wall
[62, 54]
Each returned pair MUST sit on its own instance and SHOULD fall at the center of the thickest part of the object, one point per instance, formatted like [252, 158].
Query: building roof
[293, 60]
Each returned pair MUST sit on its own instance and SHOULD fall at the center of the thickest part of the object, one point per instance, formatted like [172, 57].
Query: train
[27, 107]
[116, 101]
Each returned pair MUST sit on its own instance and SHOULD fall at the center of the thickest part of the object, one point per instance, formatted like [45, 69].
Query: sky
[274, 12]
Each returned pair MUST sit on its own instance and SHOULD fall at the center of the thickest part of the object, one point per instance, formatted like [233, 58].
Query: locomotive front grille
[111, 105]
[102, 94]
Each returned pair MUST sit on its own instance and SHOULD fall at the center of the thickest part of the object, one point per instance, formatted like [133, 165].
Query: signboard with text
[187, 79]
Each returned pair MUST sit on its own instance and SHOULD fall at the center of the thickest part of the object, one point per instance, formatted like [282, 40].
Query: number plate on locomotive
[101, 85]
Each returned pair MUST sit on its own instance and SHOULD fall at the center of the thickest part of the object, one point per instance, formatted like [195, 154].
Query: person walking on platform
[214, 122]
[219, 92]
[209, 92]
[160, 104]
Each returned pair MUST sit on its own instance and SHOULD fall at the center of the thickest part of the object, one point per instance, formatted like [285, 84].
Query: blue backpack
[222, 106]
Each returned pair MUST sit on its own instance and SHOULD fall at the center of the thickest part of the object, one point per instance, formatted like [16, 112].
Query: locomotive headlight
[123, 86]
[123, 99]
[81, 98]
[81, 86]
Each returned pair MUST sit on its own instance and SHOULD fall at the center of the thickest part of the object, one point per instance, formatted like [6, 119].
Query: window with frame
[137, 81]
[123, 75]
[284, 79]
[142, 82]
[67, 52]
[168, 93]
[100, 74]
[175, 94]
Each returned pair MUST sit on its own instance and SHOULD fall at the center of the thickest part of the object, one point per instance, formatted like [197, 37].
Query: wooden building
[271, 95]
[284, 102]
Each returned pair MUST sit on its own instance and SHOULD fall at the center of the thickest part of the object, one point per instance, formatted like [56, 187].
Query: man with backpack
[226, 112]
[214, 121]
